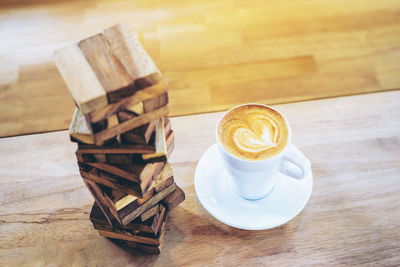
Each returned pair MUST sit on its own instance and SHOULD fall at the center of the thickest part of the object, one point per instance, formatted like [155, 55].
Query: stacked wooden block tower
[123, 137]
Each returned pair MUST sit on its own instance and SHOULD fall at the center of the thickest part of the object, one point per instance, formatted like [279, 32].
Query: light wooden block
[107, 67]
[128, 49]
[83, 84]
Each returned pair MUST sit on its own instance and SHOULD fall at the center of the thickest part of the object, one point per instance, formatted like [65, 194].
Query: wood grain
[128, 49]
[84, 86]
[214, 54]
[353, 217]
[109, 70]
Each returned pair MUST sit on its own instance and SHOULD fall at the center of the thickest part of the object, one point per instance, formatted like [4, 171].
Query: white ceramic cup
[255, 179]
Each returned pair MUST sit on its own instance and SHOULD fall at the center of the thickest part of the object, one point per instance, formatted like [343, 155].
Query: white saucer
[213, 188]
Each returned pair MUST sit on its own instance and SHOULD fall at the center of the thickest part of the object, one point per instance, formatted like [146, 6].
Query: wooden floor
[215, 53]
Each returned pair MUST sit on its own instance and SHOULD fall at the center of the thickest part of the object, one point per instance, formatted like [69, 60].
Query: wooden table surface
[215, 53]
[353, 216]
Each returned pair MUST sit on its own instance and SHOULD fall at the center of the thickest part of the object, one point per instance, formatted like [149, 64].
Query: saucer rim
[244, 227]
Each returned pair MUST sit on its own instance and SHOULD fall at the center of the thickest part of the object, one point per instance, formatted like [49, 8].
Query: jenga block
[153, 177]
[129, 51]
[155, 102]
[140, 173]
[112, 181]
[138, 97]
[111, 206]
[140, 135]
[115, 149]
[108, 69]
[160, 142]
[102, 200]
[174, 199]
[147, 228]
[84, 86]
[125, 235]
[164, 179]
[116, 153]
[149, 213]
[148, 204]
[132, 123]
[81, 131]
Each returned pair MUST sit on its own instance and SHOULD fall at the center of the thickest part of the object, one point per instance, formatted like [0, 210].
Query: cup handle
[297, 158]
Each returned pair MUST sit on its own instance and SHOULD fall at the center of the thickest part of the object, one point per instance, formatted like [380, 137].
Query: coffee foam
[253, 132]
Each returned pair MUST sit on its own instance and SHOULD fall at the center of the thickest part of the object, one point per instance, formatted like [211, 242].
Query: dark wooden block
[150, 228]
[116, 153]
[117, 205]
[174, 199]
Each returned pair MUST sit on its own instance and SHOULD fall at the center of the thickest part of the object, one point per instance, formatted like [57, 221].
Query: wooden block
[163, 179]
[141, 173]
[111, 202]
[174, 199]
[125, 235]
[131, 124]
[155, 102]
[121, 155]
[130, 52]
[138, 97]
[140, 135]
[148, 204]
[104, 202]
[160, 142]
[149, 213]
[107, 67]
[115, 149]
[147, 228]
[145, 247]
[112, 181]
[82, 82]
[81, 131]
[153, 175]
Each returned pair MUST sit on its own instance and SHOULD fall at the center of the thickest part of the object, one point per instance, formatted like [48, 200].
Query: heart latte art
[253, 132]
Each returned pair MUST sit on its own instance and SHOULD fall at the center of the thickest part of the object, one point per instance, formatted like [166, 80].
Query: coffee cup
[254, 141]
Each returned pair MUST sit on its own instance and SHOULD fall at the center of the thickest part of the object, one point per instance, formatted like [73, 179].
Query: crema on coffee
[253, 132]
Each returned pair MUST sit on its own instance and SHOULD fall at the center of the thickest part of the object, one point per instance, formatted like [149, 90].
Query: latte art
[253, 132]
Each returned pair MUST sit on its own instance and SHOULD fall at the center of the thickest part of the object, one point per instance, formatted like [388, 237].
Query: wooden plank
[103, 201]
[140, 135]
[120, 172]
[115, 149]
[148, 204]
[138, 97]
[149, 213]
[131, 124]
[129, 237]
[81, 131]
[100, 222]
[108, 69]
[84, 86]
[174, 199]
[160, 142]
[128, 49]
[104, 178]
[155, 102]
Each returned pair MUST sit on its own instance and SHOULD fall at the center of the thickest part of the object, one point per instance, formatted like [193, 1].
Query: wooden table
[280, 51]
[353, 216]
